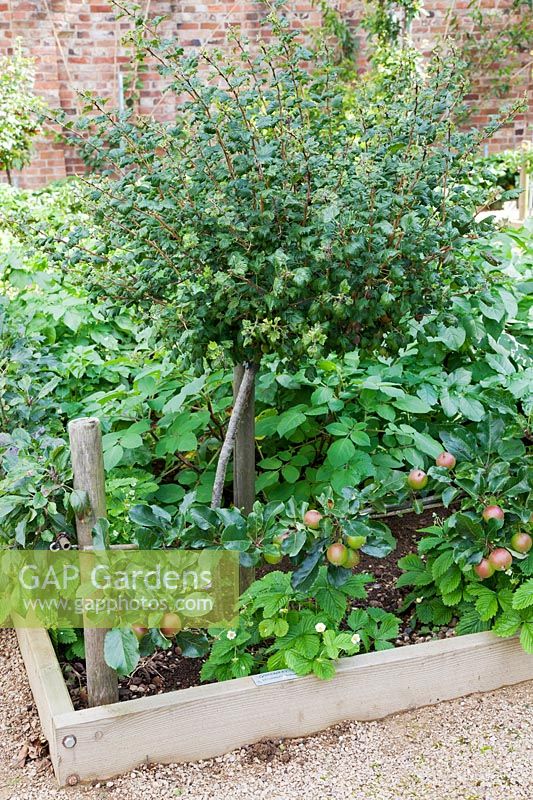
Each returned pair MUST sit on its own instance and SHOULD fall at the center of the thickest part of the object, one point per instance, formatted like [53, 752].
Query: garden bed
[188, 721]
[207, 721]
[166, 671]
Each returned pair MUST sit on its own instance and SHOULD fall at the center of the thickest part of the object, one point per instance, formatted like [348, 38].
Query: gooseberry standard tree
[266, 218]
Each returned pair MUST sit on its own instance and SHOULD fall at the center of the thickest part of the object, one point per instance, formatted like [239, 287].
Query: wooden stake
[88, 467]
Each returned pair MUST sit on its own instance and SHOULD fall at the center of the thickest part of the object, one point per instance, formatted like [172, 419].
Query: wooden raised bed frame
[206, 721]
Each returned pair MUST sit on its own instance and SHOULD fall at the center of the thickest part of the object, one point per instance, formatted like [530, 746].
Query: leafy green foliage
[281, 627]
[275, 529]
[357, 421]
[337, 431]
[492, 467]
[20, 108]
[121, 650]
[269, 218]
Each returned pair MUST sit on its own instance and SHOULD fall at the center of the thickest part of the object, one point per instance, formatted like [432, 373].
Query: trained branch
[241, 403]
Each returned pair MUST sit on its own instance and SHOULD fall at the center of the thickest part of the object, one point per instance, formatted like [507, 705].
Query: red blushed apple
[312, 519]
[446, 460]
[170, 625]
[484, 569]
[417, 479]
[139, 631]
[337, 554]
[492, 512]
[521, 542]
[501, 559]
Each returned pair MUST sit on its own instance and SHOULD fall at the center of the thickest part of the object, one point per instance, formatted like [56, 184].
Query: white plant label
[274, 677]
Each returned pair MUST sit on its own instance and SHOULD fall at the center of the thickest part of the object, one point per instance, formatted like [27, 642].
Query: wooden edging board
[206, 721]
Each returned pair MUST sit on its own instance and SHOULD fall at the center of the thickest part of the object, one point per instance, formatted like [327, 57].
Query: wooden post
[88, 467]
[525, 185]
[244, 464]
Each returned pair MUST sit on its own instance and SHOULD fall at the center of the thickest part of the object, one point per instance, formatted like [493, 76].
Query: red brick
[90, 43]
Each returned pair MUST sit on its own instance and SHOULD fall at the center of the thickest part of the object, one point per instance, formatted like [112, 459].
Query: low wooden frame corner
[206, 721]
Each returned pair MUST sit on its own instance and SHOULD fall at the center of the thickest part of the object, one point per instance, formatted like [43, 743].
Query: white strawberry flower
[231, 635]
[355, 638]
[320, 627]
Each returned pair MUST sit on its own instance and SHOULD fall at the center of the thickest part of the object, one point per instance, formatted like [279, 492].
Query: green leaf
[453, 337]
[234, 537]
[170, 493]
[149, 516]
[379, 540]
[487, 604]
[507, 624]
[121, 650]
[181, 442]
[293, 543]
[338, 429]
[471, 408]
[450, 580]
[175, 403]
[131, 440]
[358, 619]
[192, 645]
[290, 473]
[332, 601]
[79, 502]
[266, 628]
[426, 444]
[340, 452]
[360, 438]
[468, 525]
[100, 534]
[330, 645]
[354, 587]
[289, 421]
[452, 598]
[523, 596]
[112, 457]
[470, 622]
[281, 627]
[526, 637]
[298, 663]
[457, 445]
[323, 669]
[304, 576]
[242, 665]
[414, 405]
[442, 564]
[411, 562]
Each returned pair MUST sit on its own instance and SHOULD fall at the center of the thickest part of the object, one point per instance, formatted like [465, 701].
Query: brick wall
[76, 45]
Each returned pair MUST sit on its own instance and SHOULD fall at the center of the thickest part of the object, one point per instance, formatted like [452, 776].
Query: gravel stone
[475, 748]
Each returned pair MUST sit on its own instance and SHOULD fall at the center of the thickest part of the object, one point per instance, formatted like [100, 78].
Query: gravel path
[479, 748]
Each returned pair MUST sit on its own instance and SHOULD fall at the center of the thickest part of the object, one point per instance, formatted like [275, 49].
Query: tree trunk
[244, 449]
[244, 464]
[245, 392]
[9, 179]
